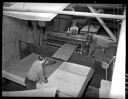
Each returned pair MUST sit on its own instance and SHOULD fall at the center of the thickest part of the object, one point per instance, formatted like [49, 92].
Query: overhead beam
[103, 24]
[106, 6]
[66, 12]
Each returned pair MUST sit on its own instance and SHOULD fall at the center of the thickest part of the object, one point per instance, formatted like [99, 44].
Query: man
[37, 73]
[73, 29]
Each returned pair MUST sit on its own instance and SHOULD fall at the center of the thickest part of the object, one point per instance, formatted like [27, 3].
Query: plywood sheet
[65, 51]
[70, 81]
[66, 82]
[45, 92]
[75, 68]
[37, 6]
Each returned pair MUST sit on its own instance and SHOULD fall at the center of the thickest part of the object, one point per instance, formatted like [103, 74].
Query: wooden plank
[103, 24]
[37, 6]
[65, 51]
[75, 68]
[65, 12]
[13, 77]
[88, 77]
[102, 6]
[66, 82]
[45, 92]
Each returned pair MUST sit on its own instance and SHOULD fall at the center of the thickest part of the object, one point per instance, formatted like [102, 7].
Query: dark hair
[40, 58]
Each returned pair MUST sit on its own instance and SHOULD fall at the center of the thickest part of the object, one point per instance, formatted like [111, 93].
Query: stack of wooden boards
[71, 79]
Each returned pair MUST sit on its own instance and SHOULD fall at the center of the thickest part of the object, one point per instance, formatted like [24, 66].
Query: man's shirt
[36, 71]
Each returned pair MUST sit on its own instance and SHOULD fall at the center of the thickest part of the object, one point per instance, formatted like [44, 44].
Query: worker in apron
[37, 73]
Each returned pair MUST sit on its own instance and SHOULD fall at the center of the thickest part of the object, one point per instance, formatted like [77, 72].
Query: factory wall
[13, 30]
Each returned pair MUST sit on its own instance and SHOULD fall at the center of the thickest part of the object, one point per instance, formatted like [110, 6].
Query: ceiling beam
[104, 6]
[65, 12]
[103, 24]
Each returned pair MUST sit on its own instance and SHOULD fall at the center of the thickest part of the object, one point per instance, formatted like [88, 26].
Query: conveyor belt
[65, 51]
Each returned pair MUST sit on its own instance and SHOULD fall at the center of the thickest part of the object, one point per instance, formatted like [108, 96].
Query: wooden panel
[75, 68]
[35, 6]
[12, 77]
[45, 92]
[105, 6]
[69, 83]
[66, 82]
[88, 77]
[65, 51]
